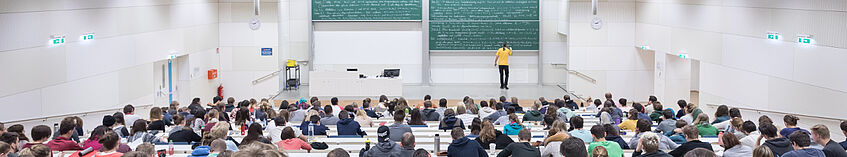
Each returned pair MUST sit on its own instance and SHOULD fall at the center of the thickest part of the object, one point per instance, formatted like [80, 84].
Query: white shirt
[467, 119]
[130, 119]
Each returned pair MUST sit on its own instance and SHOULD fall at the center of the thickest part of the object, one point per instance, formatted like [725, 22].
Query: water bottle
[437, 143]
[491, 147]
[243, 128]
[367, 144]
[171, 148]
[311, 131]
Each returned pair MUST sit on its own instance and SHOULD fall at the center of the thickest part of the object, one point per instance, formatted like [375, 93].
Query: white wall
[114, 69]
[370, 52]
[608, 55]
[739, 66]
[241, 62]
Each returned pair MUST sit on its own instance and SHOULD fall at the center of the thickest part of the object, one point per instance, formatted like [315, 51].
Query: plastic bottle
[491, 148]
[243, 127]
[170, 148]
[367, 144]
[311, 131]
[437, 143]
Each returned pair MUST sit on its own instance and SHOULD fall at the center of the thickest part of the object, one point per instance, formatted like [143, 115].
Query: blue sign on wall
[267, 52]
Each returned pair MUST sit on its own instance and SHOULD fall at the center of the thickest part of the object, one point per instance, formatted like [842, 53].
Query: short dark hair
[643, 125]
[287, 133]
[598, 131]
[611, 130]
[498, 106]
[328, 109]
[681, 103]
[231, 100]
[576, 122]
[800, 138]
[734, 112]
[622, 101]
[653, 99]
[843, 125]
[502, 98]
[128, 109]
[366, 103]
[700, 152]
[408, 140]
[790, 119]
[457, 133]
[9, 137]
[333, 101]
[510, 110]
[483, 103]
[691, 131]
[668, 114]
[748, 126]
[399, 115]
[315, 118]
[442, 102]
[427, 97]
[338, 152]
[524, 134]
[343, 114]
[573, 147]
[109, 140]
[40, 132]
[139, 125]
[729, 140]
[420, 152]
[66, 125]
[427, 104]
[768, 130]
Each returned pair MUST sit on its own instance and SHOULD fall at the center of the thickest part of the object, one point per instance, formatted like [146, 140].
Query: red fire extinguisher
[221, 91]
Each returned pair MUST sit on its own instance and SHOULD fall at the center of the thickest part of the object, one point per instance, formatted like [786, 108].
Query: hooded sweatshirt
[533, 116]
[485, 112]
[451, 122]
[397, 130]
[521, 149]
[500, 141]
[613, 148]
[385, 149]
[572, 105]
[348, 126]
[465, 147]
[779, 146]
[738, 151]
[430, 115]
[512, 129]
[808, 152]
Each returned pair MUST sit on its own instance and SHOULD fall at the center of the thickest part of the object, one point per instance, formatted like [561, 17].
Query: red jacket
[63, 144]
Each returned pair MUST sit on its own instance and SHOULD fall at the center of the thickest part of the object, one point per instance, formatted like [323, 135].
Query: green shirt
[706, 129]
[612, 147]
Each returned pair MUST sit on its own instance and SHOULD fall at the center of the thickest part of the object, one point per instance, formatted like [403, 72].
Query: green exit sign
[773, 36]
[57, 40]
[89, 36]
[805, 39]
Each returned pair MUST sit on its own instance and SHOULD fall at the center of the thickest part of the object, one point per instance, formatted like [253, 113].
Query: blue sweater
[465, 147]
[319, 129]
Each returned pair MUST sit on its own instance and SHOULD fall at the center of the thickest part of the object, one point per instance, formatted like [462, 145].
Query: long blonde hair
[702, 118]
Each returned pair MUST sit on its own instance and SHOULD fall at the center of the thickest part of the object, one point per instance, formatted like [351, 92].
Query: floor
[453, 92]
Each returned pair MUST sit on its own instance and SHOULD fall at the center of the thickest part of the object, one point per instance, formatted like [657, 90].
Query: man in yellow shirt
[502, 62]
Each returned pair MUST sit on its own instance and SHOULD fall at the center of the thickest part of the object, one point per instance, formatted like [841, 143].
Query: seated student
[790, 122]
[693, 138]
[461, 146]
[599, 152]
[63, 142]
[801, 141]
[733, 148]
[490, 135]
[667, 123]
[329, 118]
[700, 152]
[658, 113]
[612, 134]
[640, 111]
[569, 103]
[408, 143]
[703, 126]
[75, 135]
[139, 132]
[763, 151]
[735, 127]
[499, 112]
[522, 147]
[415, 117]
[34, 151]
[643, 126]
[218, 148]
[206, 122]
[691, 113]
[573, 147]
[254, 134]
[514, 125]
[291, 142]
[219, 131]
[347, 126]
[778, 145]
[156, 122]
[504, 120]
[183, 132]
[681, 112]
[19, 129]
[11, 139]
[598, 133]
[6, 149]
[40, 134]
[844, 131]
[96, 135]
[110, 142]
[442, 106]
[568, 113]
[553, 141]
[577, 131]
[384, 147]
[485, 110]
[533, 114]
[820, 135]
[648, 144]
[398, 128]
[429, 114]
[721, 114]
[119, 125]
[629, 123]
[450, 121]
[748, 128]
[363, 118]
[476, 126]
[129, 114]
[463, 114]
[318, 128]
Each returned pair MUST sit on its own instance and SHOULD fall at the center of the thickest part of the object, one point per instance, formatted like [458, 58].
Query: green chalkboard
[441, 10]
[366, 10]
[483, 35]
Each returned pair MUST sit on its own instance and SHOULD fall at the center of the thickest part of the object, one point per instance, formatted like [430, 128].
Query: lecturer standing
[502, 62]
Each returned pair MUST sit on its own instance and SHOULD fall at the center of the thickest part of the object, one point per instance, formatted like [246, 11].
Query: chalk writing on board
[366, 10]
[521, 35]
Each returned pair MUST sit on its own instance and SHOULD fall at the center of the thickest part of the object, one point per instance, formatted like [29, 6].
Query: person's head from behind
[399, 116]
[315, 119]
[505, 44]
[652, 99]
[649, 142]
[700, 152]
[5, 149]
[643, 125]
[524, 135]
[408, 140]
[790, 120]
[128, 109]
[800, 140]
[573, 147]
[98, 132]
[734, 112]
[844, 127]
[328, 110]
[498, 106]
[576, 122]
[110, 140]
[343, 114]
[701, 119]
[762, 151]
[598, 102]
[217, 146]
[476, 126]
[338, 152]
[415, 115]
[681, 103]
[427, 104]
[139, 126]
[608, 96]
[11, 138]
[219, 131]
[765, 119]
[667, 114]
[598, 132]
[722, 111]
[457, 133]
[611, 131]
[767, 130]
[599, 152]
[41, 133]
[657, 106]
[633, 114]
[442, 102]
[680, 124]
[622, 101]
[67, 126]
[38, 150]
[729, 140]
[609, 104]
[287, 133]
[502, 99]
[748, 127]
[691, 133]
[421, 153]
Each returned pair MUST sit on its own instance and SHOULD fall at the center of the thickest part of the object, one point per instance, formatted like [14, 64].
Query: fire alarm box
[213, 73]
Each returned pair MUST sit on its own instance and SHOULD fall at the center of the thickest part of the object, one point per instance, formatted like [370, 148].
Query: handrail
[69, 114]
[584, 76]
[266, 77]
[572, 93]
[777, 112]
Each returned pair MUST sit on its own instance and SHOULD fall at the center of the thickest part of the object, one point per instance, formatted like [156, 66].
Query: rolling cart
[292, 75]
